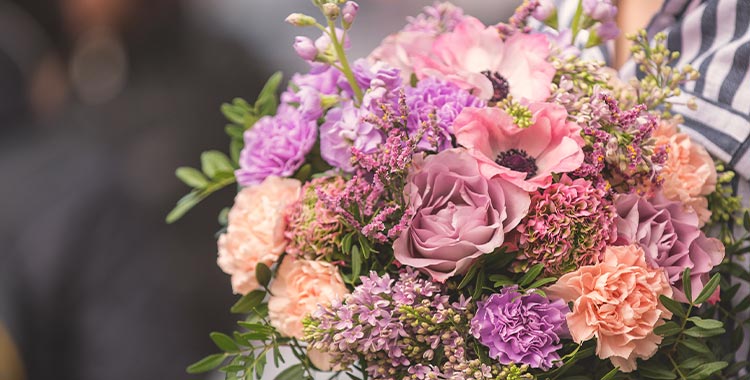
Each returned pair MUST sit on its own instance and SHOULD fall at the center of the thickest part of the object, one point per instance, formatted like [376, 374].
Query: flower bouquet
[474, 202]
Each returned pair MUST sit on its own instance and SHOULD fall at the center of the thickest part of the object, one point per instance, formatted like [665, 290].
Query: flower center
[500, 86]
[518, 160]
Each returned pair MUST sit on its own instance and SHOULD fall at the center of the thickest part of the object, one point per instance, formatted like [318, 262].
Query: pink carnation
[689, 173]
[474, 56]
[299, 288]
[255, 233]
[617, 302]
[525, 156]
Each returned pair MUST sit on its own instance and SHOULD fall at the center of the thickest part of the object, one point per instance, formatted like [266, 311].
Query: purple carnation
[344, 129]
[276, 145]
[443, 101]
[670, 237]
[521, 328]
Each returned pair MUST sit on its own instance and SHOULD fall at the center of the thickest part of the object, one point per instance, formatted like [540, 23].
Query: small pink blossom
[526, 157]
[475, 57]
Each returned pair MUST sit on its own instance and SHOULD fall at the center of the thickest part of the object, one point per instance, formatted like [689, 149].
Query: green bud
[300, 19]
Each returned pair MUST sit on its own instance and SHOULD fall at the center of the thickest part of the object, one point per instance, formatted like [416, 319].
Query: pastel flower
[520, 328]
[276, 145]
[617, 302]
[459, 214]
[299, 288]
[255, 233]
[344, 129]
[475, 57]
[670, 236]
[313, 229]
[689, 173]
[569, 225]
[526, 157]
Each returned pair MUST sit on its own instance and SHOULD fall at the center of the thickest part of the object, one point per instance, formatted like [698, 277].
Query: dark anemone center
[500, 86]
[518, 160]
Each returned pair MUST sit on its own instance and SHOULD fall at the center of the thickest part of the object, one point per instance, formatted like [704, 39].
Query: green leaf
[706, 323]
[746, 221]
[346, 243]
[686, 285]
[653, 371]
[481, 276]
[696, 346]
[364, 244]
[263, 274]
[675, 307]
[233, 113]
[224, 342]
[206, 364]
[303, 174]
[611, 374]
[356, 262]
[541, 282]
[469, 276]
[705, 370]
[692, 362]
[223, 217]
[744, 304]
[292, 373]
[248, 302]
[214, 162]
[709, 289]
[532, 274]
[184, 205]
[235, 148]
[191, 177]
[267, 102]
[235, 131]
[668, 329]
[698, 332]
[260, 365]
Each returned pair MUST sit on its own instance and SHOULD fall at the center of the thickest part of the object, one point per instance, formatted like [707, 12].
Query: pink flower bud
[299, 19]
[544, 11]
[331, 11]
[349, 12]
[305, 48]
[600, 10]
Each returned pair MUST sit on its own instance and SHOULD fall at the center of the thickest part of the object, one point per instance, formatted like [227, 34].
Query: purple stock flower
[436, 103]
[305, 90]
[276, 145]
[305, 48]
[381, 84]
[670, 237]
[521, 328]
[349, 12]
[344, 129]
[439, 18]
[600, 10]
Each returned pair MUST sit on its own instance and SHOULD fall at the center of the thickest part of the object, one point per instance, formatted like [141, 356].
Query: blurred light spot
[98, 67]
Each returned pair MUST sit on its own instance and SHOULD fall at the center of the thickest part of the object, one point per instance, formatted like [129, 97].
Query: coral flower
[475, 57]
[526, 157]
[617, 302]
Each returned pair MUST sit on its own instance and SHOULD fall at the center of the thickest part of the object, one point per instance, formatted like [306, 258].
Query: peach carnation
[255, 233]
[299, 288]
[689, 173]
[616, 301]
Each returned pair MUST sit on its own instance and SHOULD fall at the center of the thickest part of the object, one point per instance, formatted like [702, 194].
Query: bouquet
[475, 202]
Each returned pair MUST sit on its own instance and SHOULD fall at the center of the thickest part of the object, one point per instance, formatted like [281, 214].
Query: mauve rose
[670, 237]
[459, 215]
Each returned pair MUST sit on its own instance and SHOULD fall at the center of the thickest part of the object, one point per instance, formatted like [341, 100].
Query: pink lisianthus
[525, 156]
[459, 214]
[689, 173]
[475, 57]
[255, 233]
[616, 301]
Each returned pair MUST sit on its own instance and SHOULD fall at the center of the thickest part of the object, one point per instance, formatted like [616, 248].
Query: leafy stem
[345, 68]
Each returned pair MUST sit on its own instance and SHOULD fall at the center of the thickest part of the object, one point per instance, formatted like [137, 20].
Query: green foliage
[217, 169]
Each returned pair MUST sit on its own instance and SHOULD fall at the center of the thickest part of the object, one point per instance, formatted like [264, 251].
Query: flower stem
[345, 68]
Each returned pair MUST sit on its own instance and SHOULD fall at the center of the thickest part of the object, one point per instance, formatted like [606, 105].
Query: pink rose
[617, 302]
[299, 288]
[255, 233]
[670, 237]
[689, 174]
[525, 156]
[459, 214]
[474, 56]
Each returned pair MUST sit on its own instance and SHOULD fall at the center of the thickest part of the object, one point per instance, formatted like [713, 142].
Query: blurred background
[100, 100]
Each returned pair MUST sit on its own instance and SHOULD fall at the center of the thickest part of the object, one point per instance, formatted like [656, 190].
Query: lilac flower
[600, 10]
[436, 104]
[343, 130]
[305, 48]
[381, 84]
[306, 90]
[521, 328]
[276, 145]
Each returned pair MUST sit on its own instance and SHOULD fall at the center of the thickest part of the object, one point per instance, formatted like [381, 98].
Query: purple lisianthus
[436, 103]
[521, 328]
[276, 145]
[344, 129]
[670, 237]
